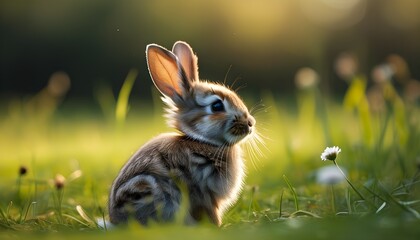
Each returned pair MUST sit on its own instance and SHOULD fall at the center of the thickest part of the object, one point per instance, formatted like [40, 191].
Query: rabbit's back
[146, 187]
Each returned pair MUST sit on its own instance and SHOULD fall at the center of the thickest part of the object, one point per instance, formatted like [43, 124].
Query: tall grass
[281, 197]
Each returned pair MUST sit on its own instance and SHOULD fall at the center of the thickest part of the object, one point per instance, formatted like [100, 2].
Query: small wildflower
[399, 67]
[330, 153]
[306, 78]
[59, 181]
[346, 66]
[382, 73]
[329, 175]
[59, 84]
[23, 170]
[104, 224]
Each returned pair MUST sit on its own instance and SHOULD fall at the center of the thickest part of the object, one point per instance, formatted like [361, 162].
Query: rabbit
[204, 155]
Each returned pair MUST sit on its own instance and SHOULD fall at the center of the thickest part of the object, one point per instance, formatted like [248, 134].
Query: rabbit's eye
[217, 106]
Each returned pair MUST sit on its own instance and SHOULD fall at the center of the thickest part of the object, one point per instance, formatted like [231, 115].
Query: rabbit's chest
[219, 177]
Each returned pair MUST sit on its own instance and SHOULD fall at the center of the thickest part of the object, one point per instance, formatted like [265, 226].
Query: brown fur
[205, 156]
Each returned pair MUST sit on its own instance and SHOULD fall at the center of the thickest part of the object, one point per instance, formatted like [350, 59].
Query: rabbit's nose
[250, 124]
[251, 121]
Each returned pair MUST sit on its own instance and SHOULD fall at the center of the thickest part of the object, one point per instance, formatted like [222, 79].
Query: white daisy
[330, 153]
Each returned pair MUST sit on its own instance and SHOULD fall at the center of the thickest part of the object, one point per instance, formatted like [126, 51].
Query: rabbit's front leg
[197, 213]
[203, 205]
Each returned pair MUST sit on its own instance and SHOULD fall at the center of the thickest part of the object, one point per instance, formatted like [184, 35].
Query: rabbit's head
[202, 110]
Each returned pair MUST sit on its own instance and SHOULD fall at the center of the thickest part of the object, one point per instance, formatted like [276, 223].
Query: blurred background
[91, 44]
[76, 100]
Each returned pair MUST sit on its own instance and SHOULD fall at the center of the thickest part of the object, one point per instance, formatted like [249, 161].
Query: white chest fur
[221, 176]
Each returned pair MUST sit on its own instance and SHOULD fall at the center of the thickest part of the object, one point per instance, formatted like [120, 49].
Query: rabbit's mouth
[240, 129]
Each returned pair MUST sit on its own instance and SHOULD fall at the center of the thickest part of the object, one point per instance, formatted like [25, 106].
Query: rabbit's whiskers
[206, 154]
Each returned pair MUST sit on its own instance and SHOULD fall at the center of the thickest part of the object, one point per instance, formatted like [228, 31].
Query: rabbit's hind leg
[145, 197]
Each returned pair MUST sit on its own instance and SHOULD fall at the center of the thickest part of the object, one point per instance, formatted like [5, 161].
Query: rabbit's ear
[187, 59]
[166, 71]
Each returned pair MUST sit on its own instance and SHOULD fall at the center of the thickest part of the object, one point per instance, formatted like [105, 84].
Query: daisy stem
[333, 198]
[351, 185]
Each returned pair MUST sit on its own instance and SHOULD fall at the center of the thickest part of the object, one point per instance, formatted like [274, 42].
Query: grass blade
[83, 214]
[25, 216]
[348, 201]
[381, 207]
[281, 203]
[398, 203]
[121, 109]
[303, 213]
[293, 192]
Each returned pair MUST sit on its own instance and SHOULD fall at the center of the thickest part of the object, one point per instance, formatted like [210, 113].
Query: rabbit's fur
[204, 156]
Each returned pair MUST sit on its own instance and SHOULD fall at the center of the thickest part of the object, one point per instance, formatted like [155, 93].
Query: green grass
[281, 197]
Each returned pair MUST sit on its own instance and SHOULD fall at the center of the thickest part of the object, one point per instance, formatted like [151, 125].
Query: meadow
[57, 163]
